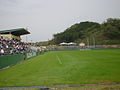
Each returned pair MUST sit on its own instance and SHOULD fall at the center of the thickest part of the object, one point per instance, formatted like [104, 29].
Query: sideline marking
[59, 59]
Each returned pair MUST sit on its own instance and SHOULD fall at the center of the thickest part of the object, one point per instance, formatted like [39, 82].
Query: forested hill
[106, 33]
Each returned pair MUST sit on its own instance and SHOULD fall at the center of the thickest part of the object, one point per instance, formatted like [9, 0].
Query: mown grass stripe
[59, 60]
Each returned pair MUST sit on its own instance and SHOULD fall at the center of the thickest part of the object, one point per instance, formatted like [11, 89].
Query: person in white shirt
[2, 52]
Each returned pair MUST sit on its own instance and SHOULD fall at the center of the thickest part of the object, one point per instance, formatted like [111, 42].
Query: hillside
[106, 33]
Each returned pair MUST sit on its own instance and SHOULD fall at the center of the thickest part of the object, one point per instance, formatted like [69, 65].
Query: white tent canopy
[71, 43]
[63, 43]
[82, 44]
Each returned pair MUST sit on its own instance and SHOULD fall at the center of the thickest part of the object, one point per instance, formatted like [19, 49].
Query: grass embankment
[65, 68]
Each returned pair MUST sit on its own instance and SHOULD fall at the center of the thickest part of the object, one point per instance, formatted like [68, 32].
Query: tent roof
[63, 43]
[71, 43]
[16, 32]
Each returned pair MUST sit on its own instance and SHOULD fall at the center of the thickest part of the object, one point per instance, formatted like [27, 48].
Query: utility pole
[88, 43]
[94, 41]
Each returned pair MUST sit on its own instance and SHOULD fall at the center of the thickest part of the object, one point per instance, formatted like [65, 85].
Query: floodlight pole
[26, 39]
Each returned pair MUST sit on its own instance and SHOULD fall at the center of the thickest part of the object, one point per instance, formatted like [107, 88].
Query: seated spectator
[12, 46]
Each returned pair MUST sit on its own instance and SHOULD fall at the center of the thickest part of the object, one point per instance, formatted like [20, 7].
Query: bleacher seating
[11, 46]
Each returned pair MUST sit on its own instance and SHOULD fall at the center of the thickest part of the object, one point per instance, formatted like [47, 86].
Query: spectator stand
[12, 50]
[10, 41]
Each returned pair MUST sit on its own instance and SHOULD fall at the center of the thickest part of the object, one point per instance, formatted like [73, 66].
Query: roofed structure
[16, 32]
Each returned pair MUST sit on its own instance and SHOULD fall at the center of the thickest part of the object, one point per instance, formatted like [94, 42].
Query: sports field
[65, 68]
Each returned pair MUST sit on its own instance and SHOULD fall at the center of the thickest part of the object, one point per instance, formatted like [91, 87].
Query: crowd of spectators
[12, 46]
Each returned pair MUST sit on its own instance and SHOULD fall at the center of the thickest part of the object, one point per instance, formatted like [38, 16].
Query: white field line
[59, 59]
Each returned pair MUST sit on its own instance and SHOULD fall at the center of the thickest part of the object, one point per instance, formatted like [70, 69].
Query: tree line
[106, 33]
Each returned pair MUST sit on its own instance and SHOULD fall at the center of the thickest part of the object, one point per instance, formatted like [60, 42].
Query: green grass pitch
[65, 68]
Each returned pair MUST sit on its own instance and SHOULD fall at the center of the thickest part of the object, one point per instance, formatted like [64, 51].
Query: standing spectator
[1, 52]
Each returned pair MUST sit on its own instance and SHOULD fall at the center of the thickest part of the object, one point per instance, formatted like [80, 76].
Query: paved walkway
[57, 86]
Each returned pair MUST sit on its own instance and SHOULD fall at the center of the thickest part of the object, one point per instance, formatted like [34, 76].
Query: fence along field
[78, 67]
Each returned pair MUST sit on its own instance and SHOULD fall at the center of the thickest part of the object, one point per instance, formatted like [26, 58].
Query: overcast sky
[43, 18]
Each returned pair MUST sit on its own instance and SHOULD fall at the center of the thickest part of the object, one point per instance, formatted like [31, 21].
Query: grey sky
[44, 18]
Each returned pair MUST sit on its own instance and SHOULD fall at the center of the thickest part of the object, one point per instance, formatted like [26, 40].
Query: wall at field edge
[8, 60]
